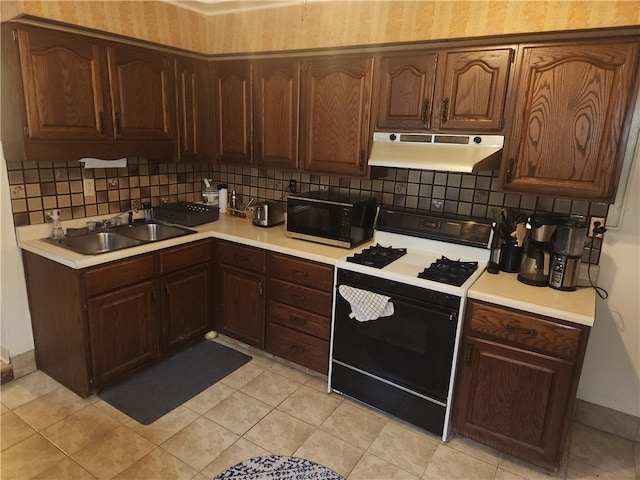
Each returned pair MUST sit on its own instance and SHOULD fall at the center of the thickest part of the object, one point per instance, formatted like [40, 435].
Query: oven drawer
[299, 348]
[521, 328]
[239, 256]
[300, 297]
[302, 272]
[300, 320]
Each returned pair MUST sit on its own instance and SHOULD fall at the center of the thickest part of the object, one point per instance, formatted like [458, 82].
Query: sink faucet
[115, 220]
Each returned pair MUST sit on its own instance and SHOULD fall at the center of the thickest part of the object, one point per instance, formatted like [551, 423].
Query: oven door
[412, 348]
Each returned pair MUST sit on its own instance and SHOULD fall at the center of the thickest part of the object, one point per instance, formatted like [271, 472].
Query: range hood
[428, 151]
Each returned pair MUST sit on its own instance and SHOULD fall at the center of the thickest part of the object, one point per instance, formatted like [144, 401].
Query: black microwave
[341, 220]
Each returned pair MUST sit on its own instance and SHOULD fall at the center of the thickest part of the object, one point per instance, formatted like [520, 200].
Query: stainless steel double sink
[118, 238]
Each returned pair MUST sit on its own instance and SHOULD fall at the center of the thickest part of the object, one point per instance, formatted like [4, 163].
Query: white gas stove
[398, 309]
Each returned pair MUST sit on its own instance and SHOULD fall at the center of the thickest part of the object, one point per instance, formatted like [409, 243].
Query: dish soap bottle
[56, 227]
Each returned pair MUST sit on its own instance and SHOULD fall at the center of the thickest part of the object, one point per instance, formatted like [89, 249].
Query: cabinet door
[407, 82]
[569, 119]
[472, 89]
[276, 113]
[195, 136]
[514, 400]
[122, 330]
[142, 93]
[186, 305]
[336, 116]
[63, 83]
[233, 119]
[242, 312]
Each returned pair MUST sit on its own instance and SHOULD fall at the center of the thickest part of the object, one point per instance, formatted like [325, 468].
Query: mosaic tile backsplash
[36, 188]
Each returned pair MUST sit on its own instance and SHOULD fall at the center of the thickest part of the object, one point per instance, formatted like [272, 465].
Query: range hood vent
[422, 151]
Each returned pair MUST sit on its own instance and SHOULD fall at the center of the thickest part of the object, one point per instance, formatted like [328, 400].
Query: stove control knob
[477, 140]
[392, 137]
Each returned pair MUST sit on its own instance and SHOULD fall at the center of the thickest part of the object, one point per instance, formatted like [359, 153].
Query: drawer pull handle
[103, 123]
[118, 123]
[425, 111]
[296, 348]
[522, 331]
[300, 273]
[445, 110]
[239, 258]
[469, 353]
[298, 320]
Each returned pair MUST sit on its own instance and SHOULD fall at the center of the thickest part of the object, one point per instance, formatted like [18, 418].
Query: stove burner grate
[451, 272]
[377, 256]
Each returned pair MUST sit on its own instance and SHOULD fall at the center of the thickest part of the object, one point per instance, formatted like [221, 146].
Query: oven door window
[412, 348]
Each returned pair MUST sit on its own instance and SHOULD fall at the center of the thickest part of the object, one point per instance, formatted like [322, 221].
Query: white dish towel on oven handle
[366, 305]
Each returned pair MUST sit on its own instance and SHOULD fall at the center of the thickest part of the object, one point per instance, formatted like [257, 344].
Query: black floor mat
[154, 392]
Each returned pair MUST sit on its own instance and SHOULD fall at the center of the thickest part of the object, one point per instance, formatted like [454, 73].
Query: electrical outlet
[89, 187]
[592, 222]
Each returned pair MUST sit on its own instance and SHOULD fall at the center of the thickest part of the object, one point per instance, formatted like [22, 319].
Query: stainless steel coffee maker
[567, 249]
[535, 269]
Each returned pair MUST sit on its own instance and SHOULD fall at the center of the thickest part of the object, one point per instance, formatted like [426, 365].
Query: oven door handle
[451, 312]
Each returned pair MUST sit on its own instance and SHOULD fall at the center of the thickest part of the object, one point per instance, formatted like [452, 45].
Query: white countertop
[501, 289]
[504, 289]
[230, 228]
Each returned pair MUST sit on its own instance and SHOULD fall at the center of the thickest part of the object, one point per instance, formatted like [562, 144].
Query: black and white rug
[278, 467]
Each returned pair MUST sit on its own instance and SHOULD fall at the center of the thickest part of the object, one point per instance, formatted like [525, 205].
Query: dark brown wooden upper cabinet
[195, 135]
[406, 86]
[66, 96]
[142, 93]
[568, 130]
[233, 117]
[64, 86]
[471, 90]
[276, 113]
[456, 91]
[335, 116]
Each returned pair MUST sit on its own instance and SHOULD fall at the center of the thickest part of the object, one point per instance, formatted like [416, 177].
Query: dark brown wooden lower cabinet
[240, 292]
[186, 311]
[122, 331]
[299, 313]
[513, 394]
[242, 312]
[93, 325]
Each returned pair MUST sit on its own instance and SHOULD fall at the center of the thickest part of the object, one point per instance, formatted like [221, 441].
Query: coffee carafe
[567, 252]
[535, 269]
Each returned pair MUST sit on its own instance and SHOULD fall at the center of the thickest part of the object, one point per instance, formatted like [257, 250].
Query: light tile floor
[264, 407]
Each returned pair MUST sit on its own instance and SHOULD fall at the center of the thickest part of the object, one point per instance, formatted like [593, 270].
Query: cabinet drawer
[300, 297]
[118, 274]
[185, 256]
[523, 329]
[299, 348]
[302, 272]
[239, 256]
[300, 320]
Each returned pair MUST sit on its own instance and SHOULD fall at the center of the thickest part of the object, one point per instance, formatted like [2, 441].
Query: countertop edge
[505, 290]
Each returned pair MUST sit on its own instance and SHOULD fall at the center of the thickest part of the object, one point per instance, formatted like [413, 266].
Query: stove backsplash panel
[38, 187]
